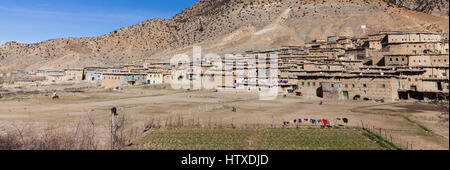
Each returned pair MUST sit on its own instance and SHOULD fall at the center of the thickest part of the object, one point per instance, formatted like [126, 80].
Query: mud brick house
[54, 76]
[389, 65]
[351, 64]
[120, 80]
[349, 86]
[413, 43]
[155, 77]
[74, 74]
[131, 66]
[94, 74]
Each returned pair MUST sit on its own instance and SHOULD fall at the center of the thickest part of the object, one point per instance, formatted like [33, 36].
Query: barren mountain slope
[221, 26]
[435, 7]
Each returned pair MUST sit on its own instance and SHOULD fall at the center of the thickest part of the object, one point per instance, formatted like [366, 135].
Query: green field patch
[260, 139]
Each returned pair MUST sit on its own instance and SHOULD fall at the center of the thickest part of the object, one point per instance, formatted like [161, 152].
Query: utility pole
[113, 127]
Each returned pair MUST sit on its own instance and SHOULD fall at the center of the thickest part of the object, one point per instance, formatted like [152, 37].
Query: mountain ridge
[220, 26]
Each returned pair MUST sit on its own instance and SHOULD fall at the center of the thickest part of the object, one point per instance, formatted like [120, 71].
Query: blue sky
[32, 21]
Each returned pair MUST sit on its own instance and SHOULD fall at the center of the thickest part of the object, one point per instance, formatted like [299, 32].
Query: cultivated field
[405, 123]
[261, 139]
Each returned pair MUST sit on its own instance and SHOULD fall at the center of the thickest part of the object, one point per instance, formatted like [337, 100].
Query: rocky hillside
[435, 7]
[221, 26]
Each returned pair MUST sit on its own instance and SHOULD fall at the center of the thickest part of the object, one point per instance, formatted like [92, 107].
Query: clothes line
[324, 122]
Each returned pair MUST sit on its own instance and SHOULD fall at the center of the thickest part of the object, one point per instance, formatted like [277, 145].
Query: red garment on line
[325, 122]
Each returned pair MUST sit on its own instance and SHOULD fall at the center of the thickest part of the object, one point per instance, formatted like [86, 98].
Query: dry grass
[79, 136]
[85, 134]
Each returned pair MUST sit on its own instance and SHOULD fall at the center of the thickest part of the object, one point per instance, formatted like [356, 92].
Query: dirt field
[413, 123]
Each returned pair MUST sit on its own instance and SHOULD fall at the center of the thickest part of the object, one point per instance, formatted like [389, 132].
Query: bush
[80, 136]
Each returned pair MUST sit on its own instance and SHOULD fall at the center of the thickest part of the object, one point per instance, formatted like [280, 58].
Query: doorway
[346, 95]
[319, 92]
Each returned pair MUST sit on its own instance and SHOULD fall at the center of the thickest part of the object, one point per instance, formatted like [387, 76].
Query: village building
[357, 53]
[389, 65]
[40, 73]
[112, 81]
[75, 74]
[54, 76]
[351, 65]
[114, 69]
[130, 66]
[120, 80]
[414, 43]
[94, 74]
[415, 48]
[155, 77]
[137, 70]
[348, 87]
[330, 53]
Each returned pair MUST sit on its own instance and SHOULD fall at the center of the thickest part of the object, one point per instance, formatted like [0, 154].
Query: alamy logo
[249, 72]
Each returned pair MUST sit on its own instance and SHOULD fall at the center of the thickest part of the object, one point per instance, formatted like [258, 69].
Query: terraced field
[261, 139]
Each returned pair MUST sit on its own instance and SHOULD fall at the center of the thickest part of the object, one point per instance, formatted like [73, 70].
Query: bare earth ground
[416, 123]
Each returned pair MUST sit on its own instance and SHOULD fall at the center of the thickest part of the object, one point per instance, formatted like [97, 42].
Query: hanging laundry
[345, 120]
[325, 122]
[316, 121]
[320, 121]
[295, 120]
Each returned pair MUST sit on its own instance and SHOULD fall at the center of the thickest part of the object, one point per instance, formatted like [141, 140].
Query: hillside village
[348, 74]
[228, 26]
[389, 65]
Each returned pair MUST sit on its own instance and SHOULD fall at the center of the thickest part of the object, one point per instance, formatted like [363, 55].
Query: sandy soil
[412, 123]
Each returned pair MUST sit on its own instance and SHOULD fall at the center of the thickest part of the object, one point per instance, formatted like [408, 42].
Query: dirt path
[406, 121]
